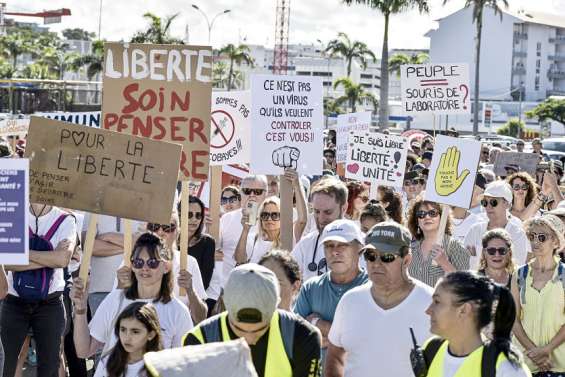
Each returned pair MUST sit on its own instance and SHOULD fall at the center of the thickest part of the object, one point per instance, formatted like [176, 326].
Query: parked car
[555, 148]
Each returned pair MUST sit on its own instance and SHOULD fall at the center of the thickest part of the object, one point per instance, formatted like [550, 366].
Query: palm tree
[220, 74]
[58, 61]
[15, 44]
[157, 32]
[354, 94]
[331, 107]
[236, 55]
[388, 8]
[349, 50]
[398, 60]
[478, 8]
[93, 61]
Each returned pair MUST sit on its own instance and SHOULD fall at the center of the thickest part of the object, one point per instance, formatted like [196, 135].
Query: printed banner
[349, 122]
[287, 124]
[14, 127]
[376, 158]
[89, 118]
[161, 92]
[435, 88]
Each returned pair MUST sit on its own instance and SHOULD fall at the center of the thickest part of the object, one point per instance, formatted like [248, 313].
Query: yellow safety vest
[279, 351]
[471, 367]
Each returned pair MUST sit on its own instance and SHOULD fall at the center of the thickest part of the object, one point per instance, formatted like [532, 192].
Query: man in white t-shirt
[370, 332]
[329, 203]
[497, 200]
[253, 189]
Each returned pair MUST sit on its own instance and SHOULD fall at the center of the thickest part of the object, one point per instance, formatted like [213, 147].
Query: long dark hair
[469, 287]
[354, 189]
[412, 220]
[144, 313]
[194, 199]
[394, 200]
[156, 249]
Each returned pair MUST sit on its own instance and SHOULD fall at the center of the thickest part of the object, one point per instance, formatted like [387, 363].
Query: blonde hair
[497, 234]
[260, 231]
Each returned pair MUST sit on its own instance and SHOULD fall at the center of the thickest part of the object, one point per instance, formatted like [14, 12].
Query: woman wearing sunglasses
[527, 201]
[431, 261]
[538, 292]
[230, 199]
[496, 259]
[358, 197]
[151, 281]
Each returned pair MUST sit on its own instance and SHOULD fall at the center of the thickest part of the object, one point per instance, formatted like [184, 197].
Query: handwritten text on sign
[349, 122]
[376, 158]
[161, 92]
[100, 171]
[435, 88]
[287, 124]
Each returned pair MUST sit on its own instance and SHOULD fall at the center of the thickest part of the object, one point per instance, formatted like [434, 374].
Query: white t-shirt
[520, 244]
[257, 247]
[66, 231]
[378, 338]
[230, 231]
[303, 253]
[452, 363]
[461, 227]
[174, 319]
[132, 370]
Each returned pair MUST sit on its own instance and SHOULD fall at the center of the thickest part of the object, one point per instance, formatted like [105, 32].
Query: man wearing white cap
[319, 296]
[496, 201]
[282, 344]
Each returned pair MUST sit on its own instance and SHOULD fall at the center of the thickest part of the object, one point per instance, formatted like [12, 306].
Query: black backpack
[488, 363]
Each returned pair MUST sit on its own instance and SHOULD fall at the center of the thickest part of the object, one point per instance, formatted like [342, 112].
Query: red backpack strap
[55, 227]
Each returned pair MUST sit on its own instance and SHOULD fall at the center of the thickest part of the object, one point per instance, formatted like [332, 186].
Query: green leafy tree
[6, 69]
[551, 108]
[478, 9]
[354, 94]
[78, 34]
[220, 75]
[514, 127]
[16, 43]
[398, 60]
[93, 61]
[331, 107]
[37, 70]
[58, 61]
[350, 50]
[158, 31]
[236, 55]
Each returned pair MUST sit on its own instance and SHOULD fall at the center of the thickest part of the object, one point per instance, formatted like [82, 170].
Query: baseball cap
[251, 294]
[499, 189]
[388, 237]
[342, 230]
[557, 227]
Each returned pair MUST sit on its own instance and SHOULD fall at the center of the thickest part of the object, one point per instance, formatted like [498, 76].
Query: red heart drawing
[353, 168]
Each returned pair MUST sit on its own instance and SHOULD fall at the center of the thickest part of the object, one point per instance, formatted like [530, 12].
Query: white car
[554, 147]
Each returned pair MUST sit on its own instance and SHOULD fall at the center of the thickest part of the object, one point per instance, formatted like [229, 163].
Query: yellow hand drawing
[447, 180]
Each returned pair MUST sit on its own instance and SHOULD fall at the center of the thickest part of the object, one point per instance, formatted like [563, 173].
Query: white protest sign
[287, 124]
[349, 122]
[14, 127]
[230, 128]
[376, 158]
[435, 88]
[89, 118]
[453, 171]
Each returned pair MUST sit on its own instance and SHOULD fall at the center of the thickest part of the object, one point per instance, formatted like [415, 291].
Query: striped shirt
[421, 268]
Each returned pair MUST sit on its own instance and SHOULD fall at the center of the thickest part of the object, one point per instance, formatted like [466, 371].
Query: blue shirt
[320, 295]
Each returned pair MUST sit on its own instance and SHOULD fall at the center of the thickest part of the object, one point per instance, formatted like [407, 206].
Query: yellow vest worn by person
[279, 346]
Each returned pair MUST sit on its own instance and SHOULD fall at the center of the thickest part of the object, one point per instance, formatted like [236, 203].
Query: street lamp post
[327, 68]
[210, 24]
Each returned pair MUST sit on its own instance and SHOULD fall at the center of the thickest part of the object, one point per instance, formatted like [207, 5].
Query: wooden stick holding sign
[87, 250]
[184, 229]
[128, 242]
[287, 229]
[214, 203]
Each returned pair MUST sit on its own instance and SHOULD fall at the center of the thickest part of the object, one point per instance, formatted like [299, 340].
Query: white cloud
[254, 19]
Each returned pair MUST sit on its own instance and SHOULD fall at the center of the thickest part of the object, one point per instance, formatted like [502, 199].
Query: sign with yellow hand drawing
[453, 171]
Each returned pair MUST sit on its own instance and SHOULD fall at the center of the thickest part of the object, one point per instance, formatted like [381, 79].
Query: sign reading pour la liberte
[100, 171]
[161, 92]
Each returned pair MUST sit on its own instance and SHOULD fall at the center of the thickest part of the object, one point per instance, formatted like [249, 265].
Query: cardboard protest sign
[376, 158]
[287, 124]
[435, 88]
[100, 171]
[507, 163]
[230, 128]
[453, 171]
[14, 127]
[14, 194]
[89, 118]
[349, 122]
[161, 92]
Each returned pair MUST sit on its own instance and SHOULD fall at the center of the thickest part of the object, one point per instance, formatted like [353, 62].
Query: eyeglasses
[523, 187]
[493, 202]
[275, 216]
[256, 192]
[540, 237]
[196, 215]
[152, 263]
[432, 213]
[166, 228]
[371, 256]
[414, 182]
[493, 250]
[230, 199]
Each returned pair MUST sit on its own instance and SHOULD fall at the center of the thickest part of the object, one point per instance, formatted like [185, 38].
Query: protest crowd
[363, 279]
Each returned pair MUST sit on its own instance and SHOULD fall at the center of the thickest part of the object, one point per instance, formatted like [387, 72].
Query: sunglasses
[152, 263]
[371, 256]
[414, 182]
[275, 216]
[432, 213]
[485, 152]
[493, 202]
[502, 251]
[196, 215]
[364, 199]
[540, 237]
[229, 199]
[256, 192]
[523, 187]
[328, 156]
[166, 228]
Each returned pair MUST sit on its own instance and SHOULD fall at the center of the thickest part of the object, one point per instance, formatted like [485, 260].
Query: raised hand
[447, 179]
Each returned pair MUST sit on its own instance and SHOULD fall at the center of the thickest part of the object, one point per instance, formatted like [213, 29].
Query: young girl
[138, 331]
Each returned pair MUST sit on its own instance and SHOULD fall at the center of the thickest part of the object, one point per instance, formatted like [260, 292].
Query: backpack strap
[521, 279]
[488, 362]
[431, 349]
[55, 226]
[561, 273]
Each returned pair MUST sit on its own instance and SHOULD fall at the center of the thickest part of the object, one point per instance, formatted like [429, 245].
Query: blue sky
[252, 21]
